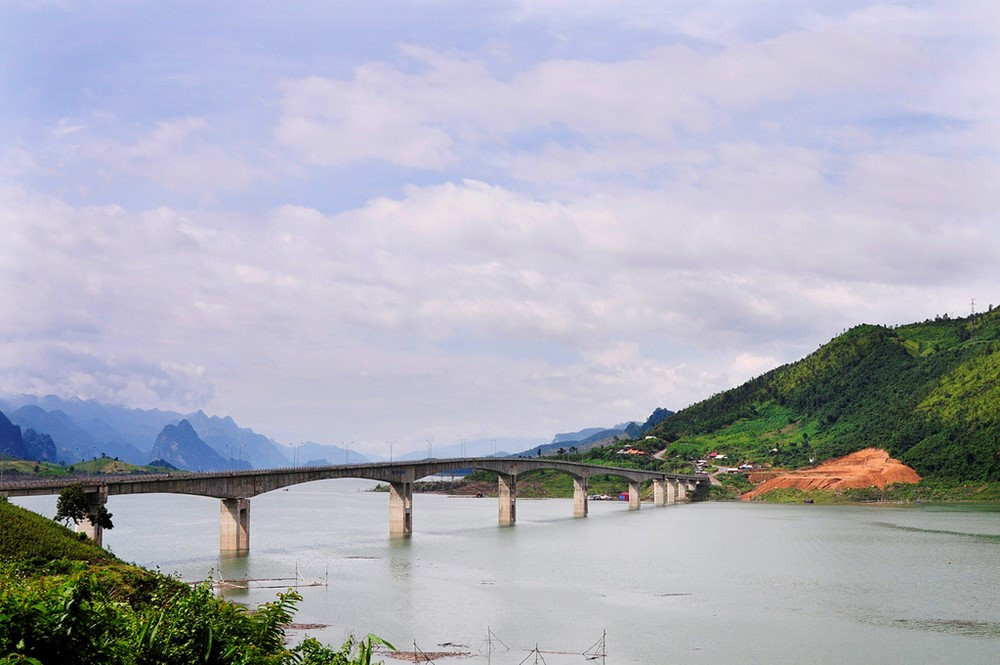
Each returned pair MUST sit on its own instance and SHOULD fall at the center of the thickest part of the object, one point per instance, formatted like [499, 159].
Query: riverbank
[66, 600]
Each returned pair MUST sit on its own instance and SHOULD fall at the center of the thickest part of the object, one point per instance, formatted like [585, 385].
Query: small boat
[807, 500]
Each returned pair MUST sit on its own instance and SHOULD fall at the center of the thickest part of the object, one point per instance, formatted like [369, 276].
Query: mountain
[181, 446]
[230, 440]
[11, 441]
[471, 448]
[928, 393]
[87, 428]
[568, 437]
[593, 437]
[40, 447]
[108, 425]
[73, 443]
[310, 453]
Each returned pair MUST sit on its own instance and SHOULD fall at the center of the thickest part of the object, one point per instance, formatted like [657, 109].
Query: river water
[715, 583]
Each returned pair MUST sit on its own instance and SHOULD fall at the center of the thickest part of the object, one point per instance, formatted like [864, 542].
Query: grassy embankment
[65, 600]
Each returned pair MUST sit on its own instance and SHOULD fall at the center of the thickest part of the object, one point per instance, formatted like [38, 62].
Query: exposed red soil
[871, 467]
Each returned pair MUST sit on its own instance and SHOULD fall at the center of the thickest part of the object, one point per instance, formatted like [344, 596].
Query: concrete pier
[400, 509]
[234, 526]
[507, 498]
[663, 492]
[95, 499]
[671, 492]
[681, 491]
[634, 502]
[579, 497]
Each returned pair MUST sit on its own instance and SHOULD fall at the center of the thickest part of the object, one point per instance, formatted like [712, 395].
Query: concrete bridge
[236, 488]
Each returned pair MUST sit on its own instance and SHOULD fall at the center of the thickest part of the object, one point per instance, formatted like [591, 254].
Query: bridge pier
[507, 498]
[634, 502]
[681, 491]
[400, 509]
[234, 526]
[659, 496]
[579, 497]
[95, 499]
[671, 492]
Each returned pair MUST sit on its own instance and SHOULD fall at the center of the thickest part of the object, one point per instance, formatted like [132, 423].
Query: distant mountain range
[593, 437]
[71, 430]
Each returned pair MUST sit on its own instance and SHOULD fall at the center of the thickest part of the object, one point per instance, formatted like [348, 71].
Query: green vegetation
[97, 466]
[73, 506]
[929, 393]
[65, 600]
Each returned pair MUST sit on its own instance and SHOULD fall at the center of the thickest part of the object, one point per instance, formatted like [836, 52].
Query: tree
[72, 505]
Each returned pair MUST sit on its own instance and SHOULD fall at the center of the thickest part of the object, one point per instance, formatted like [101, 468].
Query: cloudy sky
[344, 221]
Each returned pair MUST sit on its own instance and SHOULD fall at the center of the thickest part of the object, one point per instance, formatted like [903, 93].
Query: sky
[435, 221]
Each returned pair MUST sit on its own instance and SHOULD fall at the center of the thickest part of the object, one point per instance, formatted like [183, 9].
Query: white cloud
[172, 157]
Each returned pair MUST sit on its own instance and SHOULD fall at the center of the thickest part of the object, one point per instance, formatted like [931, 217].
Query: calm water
[704, 583]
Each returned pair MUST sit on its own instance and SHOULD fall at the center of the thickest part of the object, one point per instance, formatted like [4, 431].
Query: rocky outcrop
[181, 446]
[11, 441]
[871, 467]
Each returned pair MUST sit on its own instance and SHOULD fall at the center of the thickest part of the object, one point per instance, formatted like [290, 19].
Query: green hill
[929, 393]
[65, 600]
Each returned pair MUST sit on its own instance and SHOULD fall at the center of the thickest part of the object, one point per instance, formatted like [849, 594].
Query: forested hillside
[929, 393]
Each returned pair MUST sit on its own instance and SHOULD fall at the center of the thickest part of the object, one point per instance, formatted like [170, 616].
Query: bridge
[236, 488]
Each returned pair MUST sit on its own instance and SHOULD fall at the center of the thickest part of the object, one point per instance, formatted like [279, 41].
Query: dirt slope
[865, 468]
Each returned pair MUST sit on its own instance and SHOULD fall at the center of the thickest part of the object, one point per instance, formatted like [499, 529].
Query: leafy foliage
[74, 506]
[70, 602]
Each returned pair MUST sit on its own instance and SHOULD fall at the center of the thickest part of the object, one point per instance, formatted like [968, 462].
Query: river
[717, 583]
